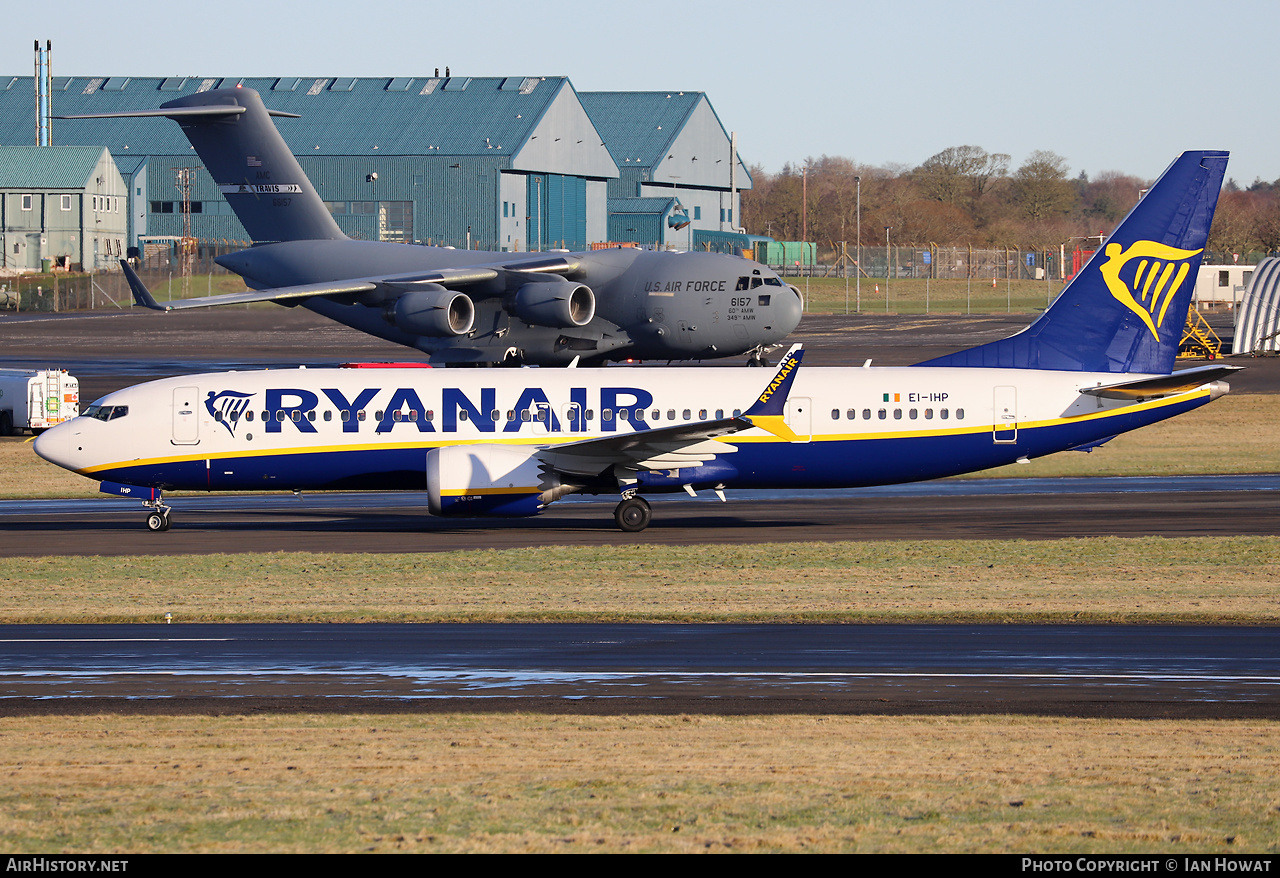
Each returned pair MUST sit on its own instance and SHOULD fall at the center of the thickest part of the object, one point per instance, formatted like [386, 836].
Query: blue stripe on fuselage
[836, 463]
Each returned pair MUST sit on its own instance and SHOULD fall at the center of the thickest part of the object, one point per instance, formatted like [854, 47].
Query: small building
[61, 205]
[1221, 286]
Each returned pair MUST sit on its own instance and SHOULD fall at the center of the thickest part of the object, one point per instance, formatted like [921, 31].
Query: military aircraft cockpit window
[772, 282]
[755, 282]
[743, 283]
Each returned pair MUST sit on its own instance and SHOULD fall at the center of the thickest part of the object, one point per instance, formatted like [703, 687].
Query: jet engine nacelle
[561, 304]
[484, 480]
[433, 310]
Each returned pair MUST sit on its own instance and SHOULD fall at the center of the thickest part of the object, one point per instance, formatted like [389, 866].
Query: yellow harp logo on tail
[1145, 278]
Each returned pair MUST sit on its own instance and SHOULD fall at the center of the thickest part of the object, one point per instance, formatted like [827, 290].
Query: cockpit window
[772, 282]
[743, 283]
[755, 282]
[105, 412]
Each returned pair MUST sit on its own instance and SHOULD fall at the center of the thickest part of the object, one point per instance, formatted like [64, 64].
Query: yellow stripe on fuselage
[735, 439]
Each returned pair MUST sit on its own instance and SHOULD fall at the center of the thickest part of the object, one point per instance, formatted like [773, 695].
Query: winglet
[768, 412]
[141, 295]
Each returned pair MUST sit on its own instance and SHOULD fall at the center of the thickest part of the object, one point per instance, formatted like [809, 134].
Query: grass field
[1147, 580]
[827, 295]
[538, 783]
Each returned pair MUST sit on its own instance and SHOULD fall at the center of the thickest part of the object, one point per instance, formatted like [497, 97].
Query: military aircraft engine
[432, 310]
[561, 304]
[485, 480]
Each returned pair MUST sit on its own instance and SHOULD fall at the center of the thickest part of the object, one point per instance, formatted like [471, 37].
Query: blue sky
[1108, 85]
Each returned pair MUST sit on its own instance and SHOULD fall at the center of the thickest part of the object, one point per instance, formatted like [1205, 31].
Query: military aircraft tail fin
[1125, 310]
[232, 131]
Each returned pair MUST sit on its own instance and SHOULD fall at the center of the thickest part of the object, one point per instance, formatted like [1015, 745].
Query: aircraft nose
[790, 310]
[54, 445]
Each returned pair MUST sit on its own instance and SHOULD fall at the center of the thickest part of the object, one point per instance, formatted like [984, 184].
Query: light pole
[857, 265]
[887, 268]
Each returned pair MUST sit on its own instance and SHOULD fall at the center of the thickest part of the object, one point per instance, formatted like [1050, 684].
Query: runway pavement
[1068, 670]
[400, 523]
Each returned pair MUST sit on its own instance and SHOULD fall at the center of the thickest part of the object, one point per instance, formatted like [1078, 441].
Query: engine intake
[556, 303]
[433, 310]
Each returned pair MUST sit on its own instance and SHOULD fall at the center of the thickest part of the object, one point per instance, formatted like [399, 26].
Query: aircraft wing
[680, 445]
[143, 298]
[456, 277]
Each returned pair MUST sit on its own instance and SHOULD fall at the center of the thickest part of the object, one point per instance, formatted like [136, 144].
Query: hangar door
[558, 212]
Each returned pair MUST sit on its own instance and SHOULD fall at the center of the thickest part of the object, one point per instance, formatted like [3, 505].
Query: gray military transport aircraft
[463, 306]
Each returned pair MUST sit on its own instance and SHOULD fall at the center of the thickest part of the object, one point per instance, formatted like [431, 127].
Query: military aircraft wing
[459, 277]
[681, 445]
[143, 298]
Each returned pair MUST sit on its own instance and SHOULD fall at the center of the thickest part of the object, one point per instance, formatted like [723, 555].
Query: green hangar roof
[42, 167]
[535, 122]
[675, 134]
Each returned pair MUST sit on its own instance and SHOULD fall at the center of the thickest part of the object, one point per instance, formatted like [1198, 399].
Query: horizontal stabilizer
[1163, 385]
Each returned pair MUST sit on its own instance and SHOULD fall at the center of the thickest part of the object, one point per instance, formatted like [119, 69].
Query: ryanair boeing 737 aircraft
[1098, 363]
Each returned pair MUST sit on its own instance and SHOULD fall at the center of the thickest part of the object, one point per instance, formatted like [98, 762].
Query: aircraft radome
[508, 442]
[464, 306]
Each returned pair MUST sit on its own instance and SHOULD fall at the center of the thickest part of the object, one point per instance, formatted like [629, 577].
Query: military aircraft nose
[790, 310]
[54, 445]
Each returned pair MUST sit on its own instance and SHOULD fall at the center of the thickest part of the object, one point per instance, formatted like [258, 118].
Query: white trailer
[36, 400]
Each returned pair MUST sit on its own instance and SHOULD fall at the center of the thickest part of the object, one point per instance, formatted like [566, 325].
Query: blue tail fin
[1125, 310]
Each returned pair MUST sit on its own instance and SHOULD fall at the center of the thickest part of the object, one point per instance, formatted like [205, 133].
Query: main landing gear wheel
[633, 515]
[158, 520]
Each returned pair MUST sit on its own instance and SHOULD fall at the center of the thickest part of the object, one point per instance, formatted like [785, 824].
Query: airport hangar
[498, 163]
